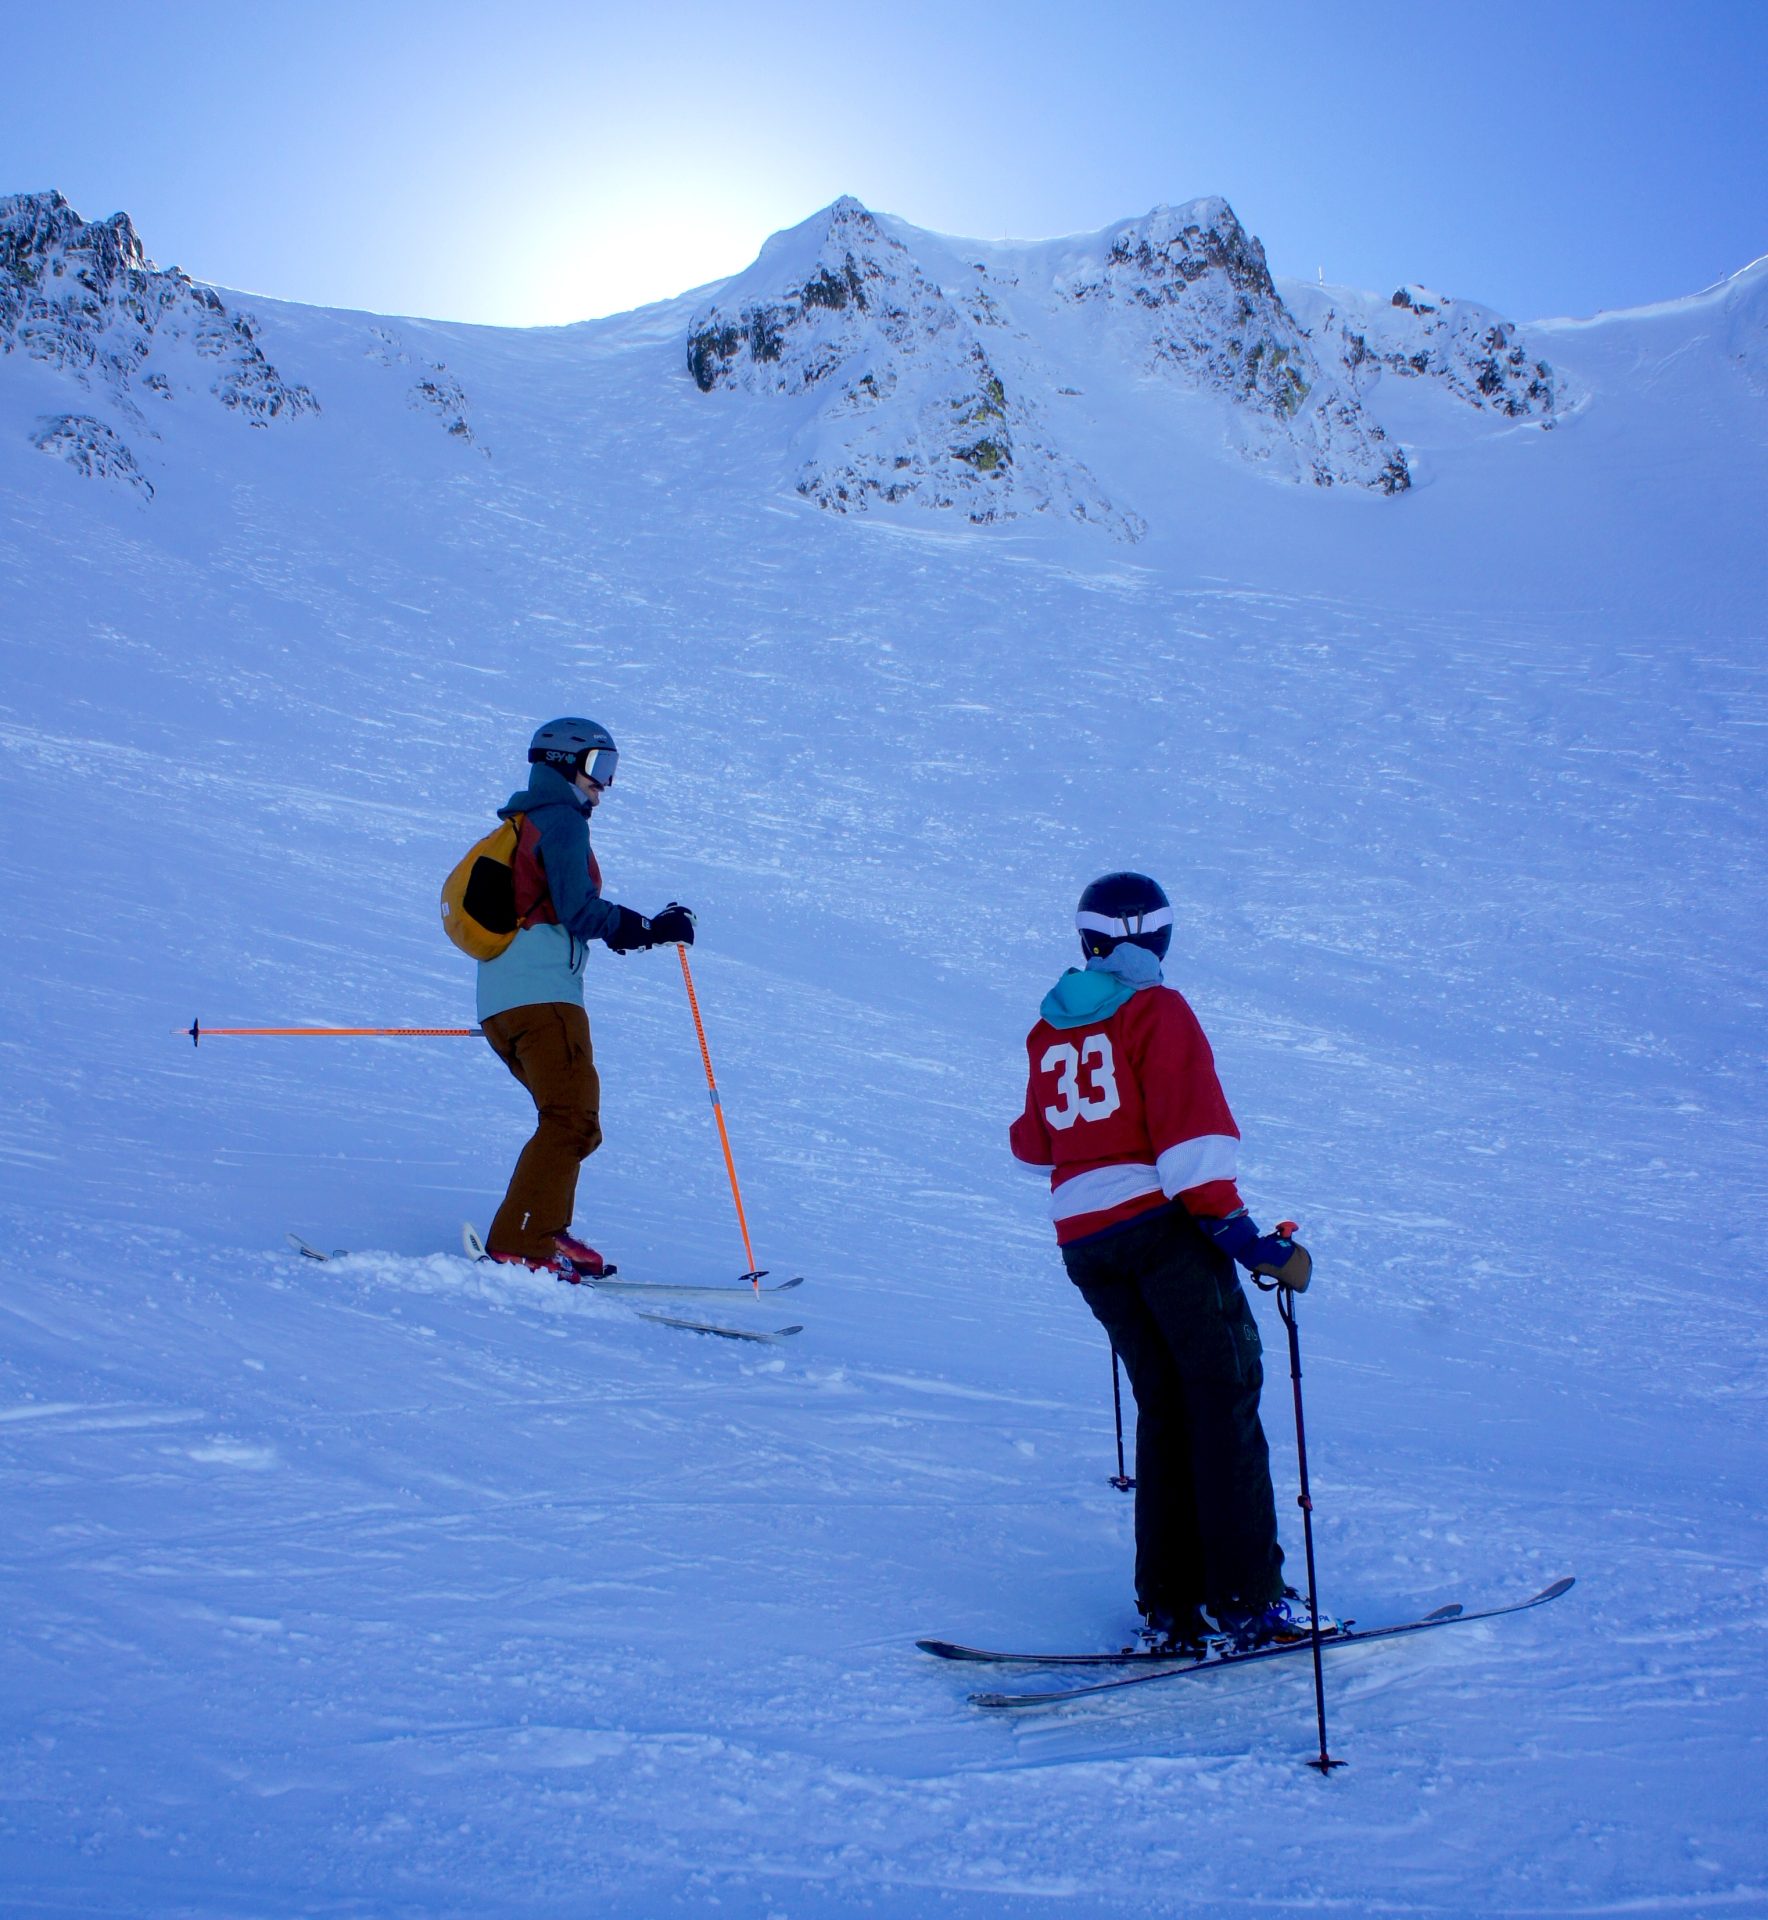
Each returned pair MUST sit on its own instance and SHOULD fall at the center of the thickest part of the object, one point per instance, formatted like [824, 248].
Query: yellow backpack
[479, 896]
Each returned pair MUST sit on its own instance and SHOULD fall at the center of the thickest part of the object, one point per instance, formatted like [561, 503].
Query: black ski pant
[1206, 1520]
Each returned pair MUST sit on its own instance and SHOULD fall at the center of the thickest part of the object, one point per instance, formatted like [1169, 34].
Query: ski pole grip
[1289, 1228]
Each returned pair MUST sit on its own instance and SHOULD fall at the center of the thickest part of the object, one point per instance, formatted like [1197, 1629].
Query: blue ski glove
[1279, 1257]
[1275, 1255]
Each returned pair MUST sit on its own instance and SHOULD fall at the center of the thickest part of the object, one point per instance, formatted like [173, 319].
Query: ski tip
[471, 1239]
[941, 1649]
[781, 1332]
[309, 1252]
[1558, 1587]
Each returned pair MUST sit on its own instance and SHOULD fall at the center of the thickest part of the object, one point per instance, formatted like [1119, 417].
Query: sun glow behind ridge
[655, 241]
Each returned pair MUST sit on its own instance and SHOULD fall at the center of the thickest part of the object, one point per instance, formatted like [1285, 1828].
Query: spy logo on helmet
[1121, 907]
[576, 746]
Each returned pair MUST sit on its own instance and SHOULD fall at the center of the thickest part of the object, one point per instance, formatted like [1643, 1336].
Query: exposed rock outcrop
[911, 407]
[1191, 289]
[92, 448]
[1459, 346]
[83, 298]
[938, 388]
[435, 391]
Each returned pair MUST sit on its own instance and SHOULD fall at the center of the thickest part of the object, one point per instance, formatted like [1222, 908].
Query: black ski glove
[631, 933]
[674, 923]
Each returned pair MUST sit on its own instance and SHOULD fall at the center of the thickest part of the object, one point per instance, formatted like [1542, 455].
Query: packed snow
[391, 1584]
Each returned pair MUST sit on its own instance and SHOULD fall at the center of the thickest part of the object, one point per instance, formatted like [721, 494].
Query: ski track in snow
[390, 1585]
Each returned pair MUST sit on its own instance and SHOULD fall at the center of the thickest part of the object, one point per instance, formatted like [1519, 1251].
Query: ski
[474, 1243]
[1175, 1669]
[624, 1290]
[1213, 1648]
[670, 1290]
[313, 1253]
[766, 1337]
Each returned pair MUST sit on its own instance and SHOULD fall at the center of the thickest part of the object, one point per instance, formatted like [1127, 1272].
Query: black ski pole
[1120, 1480]
[1286, 1307]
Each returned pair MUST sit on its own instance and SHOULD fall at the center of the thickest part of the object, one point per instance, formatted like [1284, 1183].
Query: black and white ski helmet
[1124, 906]
[575, 746]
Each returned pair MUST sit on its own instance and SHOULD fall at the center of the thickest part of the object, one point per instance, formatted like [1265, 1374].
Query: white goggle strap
[1121, 928]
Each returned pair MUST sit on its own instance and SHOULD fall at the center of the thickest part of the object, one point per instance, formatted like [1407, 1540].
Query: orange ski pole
[198, 1032]
[753, 1276]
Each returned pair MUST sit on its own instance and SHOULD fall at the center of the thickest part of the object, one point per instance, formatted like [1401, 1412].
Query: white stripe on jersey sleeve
[1194, 1163]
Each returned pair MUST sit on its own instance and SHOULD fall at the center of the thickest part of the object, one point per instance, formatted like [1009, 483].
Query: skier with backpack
[528, 907]
[1123, 1110]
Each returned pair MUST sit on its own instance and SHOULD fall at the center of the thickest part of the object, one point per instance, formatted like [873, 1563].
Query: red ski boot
[558, 1266]
[584, 1261]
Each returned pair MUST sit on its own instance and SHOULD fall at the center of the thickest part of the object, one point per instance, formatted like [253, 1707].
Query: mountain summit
[936, 378]
[870, 364]
[83, 298]
[910, 405]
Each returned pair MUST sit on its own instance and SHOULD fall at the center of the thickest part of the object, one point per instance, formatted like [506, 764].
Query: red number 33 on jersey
[1086, 1081]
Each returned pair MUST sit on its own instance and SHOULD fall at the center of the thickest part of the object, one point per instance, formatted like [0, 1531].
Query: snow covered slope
[385, 1586]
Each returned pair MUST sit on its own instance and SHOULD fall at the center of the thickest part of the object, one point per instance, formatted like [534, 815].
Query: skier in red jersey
[1124, 1111]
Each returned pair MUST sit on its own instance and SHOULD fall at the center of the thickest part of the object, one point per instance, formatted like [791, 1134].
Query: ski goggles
[599, 764]
[1125, 926]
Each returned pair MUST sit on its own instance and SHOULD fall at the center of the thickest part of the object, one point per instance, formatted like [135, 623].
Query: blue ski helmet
[576, 746]
[1124, 906]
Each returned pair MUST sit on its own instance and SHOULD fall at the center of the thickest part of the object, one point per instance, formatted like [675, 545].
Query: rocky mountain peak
[83, 298]
[827, 281]
[1191, 296]
[40, 231]
[912, 407]
[1157, 258]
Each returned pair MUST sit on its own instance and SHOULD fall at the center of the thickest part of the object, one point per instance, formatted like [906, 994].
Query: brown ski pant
[548, 1050]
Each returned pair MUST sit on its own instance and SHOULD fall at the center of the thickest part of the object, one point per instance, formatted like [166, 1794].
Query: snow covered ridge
[82, 297]
[1466, 349]
[916, 400]
[1732, 314]
[1743, 300]
[1189, 290]
[889, 366]
[911, 405]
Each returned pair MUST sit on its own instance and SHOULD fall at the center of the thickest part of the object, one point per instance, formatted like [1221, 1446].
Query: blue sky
[559, 161]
